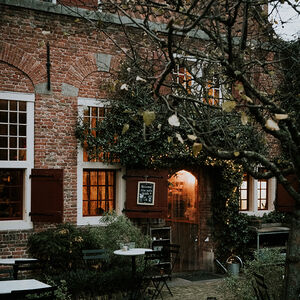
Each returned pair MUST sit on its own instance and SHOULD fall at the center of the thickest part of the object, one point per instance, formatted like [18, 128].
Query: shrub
[267, 262]
[61, 248]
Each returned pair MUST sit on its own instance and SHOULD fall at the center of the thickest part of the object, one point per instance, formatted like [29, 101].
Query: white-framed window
[50, 1]
[257, 196]
[207, 86]
[100, 186]
[16, 158]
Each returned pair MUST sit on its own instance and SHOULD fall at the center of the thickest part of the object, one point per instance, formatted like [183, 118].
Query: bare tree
[212, 61]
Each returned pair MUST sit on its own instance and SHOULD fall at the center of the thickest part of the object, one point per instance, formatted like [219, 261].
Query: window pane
[263, 204]
[13, 117]
[22, 130]
[93, 193]
[85, 193]
[101, 178]
[244, 185]
[22, 118]
[11, 193]
[263, 184]
[93, 178]
[85, 211]
[22, 154]
[97, 195]
[243, 205]
[12, 134]
[13, 105]
[94, 111]
[13, 130]
[3, 105]
[13, 142]
[3, 129]
[22, 106]
[3, 117]
[3, 142]
[3, 154]
[102, 193]
[22, 142]
[13, 155]
[111, 192]
[93, 208]
[110, 178]
[85, 177]
[243, 194]
[263, 194]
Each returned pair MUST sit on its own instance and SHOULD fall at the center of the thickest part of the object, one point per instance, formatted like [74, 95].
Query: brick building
[51, 68]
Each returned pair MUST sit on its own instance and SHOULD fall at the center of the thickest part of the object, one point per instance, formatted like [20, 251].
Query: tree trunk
[292, 274]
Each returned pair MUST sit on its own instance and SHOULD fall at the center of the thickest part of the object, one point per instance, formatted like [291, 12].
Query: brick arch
[94, 85]
[23, 61]
[82, 68]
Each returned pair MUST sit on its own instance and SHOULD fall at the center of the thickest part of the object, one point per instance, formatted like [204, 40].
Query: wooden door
[183, 217]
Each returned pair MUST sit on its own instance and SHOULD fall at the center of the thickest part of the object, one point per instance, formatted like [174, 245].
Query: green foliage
[60, 249]
[266, 262]
[136, 131]
[231, 228]
[119, 229]
[276, 217]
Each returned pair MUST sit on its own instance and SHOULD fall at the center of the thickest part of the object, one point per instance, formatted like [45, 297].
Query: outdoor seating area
[90, 263]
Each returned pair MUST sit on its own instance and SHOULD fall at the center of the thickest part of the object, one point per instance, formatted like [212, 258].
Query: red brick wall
[23, 56]
[24, 34]
[13, 243]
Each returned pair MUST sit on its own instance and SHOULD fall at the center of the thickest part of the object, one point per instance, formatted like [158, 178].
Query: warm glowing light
[183, 197]
[186, 177]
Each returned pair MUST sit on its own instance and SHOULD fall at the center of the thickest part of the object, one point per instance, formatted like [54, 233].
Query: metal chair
[158, 267]
[94, 258]
[260, 287]
[25, 265]
[44, 293]
[171, 255]
[152, 276]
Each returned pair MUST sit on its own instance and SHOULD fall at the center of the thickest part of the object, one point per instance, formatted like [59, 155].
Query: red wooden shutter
[284, 202]
[47, 195]
[160, 207]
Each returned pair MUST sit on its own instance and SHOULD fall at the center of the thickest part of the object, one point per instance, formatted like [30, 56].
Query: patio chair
[260, 287]
[94, 258]
[25, 265]
[44, 293]
[154, 276]
[6, 273]
[171, 257]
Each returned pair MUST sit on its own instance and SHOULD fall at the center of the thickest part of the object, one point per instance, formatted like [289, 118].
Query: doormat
[197, 275]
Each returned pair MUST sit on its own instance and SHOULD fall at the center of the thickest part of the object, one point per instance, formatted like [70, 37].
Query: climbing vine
[140, 131]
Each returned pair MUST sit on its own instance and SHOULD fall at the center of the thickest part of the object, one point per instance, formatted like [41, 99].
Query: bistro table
[133, 253]
[13, 262]
[7, 286]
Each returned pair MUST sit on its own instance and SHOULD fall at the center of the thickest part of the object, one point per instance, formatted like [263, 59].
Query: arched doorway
[184, 219]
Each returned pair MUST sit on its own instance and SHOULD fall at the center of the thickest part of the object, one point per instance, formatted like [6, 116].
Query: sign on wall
[146, 192]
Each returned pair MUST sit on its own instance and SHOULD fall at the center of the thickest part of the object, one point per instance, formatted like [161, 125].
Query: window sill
[89, 220]
[258, 213]
[15, 225]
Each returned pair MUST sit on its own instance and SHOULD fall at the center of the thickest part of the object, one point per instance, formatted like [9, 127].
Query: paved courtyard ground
[193, 290]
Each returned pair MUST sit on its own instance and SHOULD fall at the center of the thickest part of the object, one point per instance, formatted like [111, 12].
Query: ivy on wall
[140, 131]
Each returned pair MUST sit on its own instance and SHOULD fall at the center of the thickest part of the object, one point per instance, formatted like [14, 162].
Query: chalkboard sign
[146, 191]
